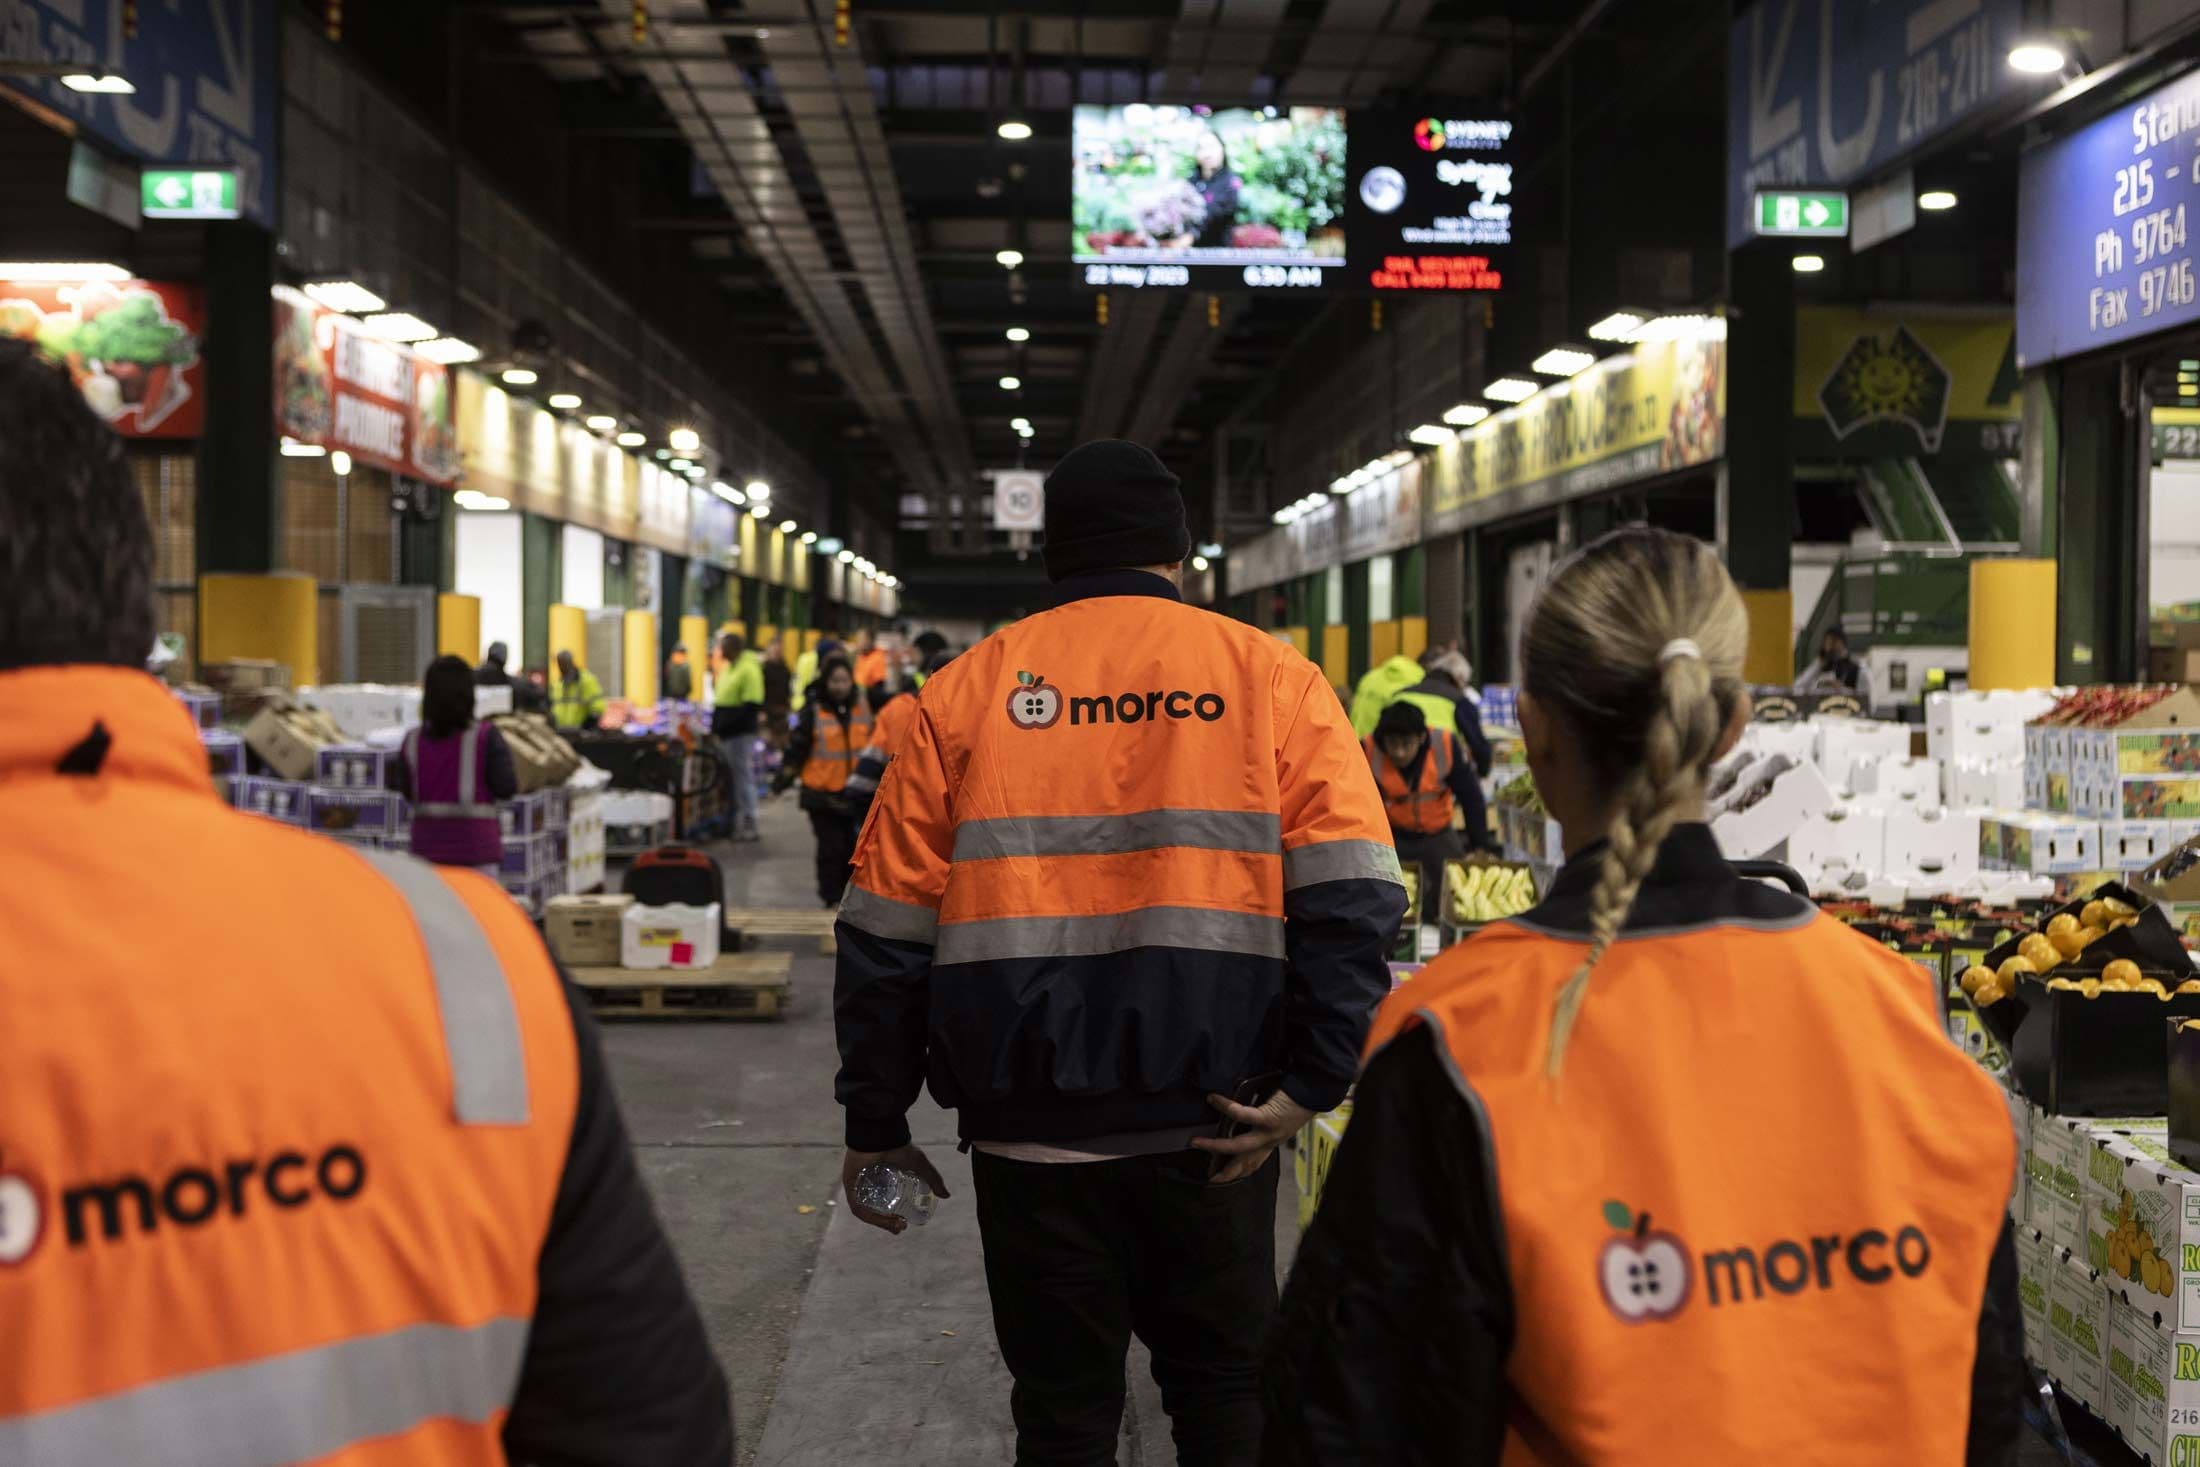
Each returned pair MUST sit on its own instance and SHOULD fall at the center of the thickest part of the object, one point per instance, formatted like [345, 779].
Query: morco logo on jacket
[188, 1197]
[1647, 1276]
[1036, 703]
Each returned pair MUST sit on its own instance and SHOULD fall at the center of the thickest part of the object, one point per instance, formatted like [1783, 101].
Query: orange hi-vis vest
[888, 727]
[1751, 1219]
[836, 745]
[1426, 807]
[281, 1121]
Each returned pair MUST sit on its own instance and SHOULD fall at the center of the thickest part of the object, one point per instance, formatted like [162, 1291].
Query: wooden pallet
[737, 986]
[754, 922]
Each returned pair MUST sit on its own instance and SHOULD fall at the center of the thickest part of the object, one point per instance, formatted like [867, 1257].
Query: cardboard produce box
[2143, 1224]
[2153, 1380]
[2055, 1165]
[1766, 807]
[2035, 1272]
[289, 738]
[585, 931]
[2077, 1332]
[539, 756]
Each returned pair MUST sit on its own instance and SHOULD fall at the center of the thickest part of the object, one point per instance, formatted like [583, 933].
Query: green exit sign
[188, 193]
[1822, 215]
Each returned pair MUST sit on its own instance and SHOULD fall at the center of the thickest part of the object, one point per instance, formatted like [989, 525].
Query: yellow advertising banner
[1901, 381]
[1658, 408]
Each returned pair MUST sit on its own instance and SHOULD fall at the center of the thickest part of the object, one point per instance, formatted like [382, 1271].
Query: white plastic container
[670, 936]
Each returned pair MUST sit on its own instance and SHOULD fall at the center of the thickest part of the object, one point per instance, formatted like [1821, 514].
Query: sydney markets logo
[1438, 135]
[1648, 1276]
[1036, 703]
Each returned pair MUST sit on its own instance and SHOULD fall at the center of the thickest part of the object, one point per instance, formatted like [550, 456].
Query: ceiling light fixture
[1564, 361]
[104, 83]
[1019, 333]
[601, 422]
[61, 270]
[759, 511]
[1014, 130]
[1466, 414]
[724, 491]
[448, 350]
[348, 296]
[694, 472]
[1434, 435]
[786, 527]
[1009, 259]
[846, 557]
[1510, 389]
[632, 438]
[1933, 200]
[684, 440]
[292, 448]
[757, 490]
[678, 465]
[1011, 383]
[1808, 264]
[564, 402]
[399, 326]
[1619, 326]
[520, 376]
[1199, 562]
[2037, 58]
[339, 463]
[809, 537]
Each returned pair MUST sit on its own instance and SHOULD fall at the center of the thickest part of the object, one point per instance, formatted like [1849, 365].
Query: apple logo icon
[1033, 703]
[1644, 1275]
[21, 1217]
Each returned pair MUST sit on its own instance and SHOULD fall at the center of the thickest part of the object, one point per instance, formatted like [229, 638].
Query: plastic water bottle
[886, 1189]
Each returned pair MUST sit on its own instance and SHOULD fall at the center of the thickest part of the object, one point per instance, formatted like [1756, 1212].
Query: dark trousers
[836, 847]
[1080, 1256]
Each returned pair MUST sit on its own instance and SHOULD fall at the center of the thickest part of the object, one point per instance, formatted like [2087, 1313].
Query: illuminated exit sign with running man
[1811, 215]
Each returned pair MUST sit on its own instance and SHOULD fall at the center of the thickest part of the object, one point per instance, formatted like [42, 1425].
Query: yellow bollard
[2012, 624]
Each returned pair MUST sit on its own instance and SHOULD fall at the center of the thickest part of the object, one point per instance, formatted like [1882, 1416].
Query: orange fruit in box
[2090, 987]
[2042, 953]
[2062, 922]
[1990, 994]
[2121, 970]
[2092, 914]
[2190, 985]
[2011, 967]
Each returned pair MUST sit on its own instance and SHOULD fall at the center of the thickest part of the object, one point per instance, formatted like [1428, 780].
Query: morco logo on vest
[1648, 1276]
[188, 1197]
[1036, 703]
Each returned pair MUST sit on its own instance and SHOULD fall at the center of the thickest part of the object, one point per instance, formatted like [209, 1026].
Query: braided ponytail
[1636, 644]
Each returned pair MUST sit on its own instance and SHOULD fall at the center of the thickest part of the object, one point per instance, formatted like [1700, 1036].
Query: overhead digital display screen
[1299, 198]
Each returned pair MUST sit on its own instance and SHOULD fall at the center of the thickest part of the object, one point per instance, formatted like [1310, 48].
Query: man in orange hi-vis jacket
[1126, 883]
[307, 1154]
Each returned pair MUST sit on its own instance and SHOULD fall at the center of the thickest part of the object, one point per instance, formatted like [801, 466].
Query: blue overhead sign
[1822, 93]
[2104, 251]
[204, 73]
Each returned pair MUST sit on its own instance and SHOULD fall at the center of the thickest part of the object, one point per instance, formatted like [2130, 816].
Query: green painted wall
[541, 574]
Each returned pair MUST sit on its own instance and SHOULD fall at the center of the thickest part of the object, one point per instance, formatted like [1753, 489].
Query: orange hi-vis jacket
[835, 744]
[1070, 902]
[888, 727]
[1751, 1221]
[281, 1122]
[1425, 808]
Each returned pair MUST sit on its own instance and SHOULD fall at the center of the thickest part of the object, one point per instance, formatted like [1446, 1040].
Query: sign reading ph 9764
[2104, 228]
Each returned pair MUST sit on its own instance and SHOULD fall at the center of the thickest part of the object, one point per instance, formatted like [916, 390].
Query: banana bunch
[1486, 893]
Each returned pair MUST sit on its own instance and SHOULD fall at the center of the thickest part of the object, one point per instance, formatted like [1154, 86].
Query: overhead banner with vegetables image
[131, 346]
[341, 387]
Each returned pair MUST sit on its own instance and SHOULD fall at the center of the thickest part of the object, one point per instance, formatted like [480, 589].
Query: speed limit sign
[1019, 500]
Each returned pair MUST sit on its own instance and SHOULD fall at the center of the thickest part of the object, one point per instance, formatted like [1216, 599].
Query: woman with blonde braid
[1673, 1169]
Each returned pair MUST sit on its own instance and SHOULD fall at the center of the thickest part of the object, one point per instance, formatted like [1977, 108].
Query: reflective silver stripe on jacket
[1108, 835]
[1201, 928]
[1341, 860]
[467, 807]
[296, 1407]
[480, 1021]
[867, 911]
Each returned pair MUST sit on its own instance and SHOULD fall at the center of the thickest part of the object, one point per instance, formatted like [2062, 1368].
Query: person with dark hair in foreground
[339, 1168]
[454, 770]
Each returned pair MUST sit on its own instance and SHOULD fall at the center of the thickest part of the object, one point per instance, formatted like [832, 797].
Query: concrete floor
[841, 1344]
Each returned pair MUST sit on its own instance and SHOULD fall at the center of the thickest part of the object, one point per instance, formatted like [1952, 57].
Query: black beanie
[1111, 505]
[1401, 720]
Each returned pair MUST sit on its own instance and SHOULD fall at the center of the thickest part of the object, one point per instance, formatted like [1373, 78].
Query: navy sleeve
[1470, 730]
[1391, 1343]
[1463, 782]
[503, 775]
[618, 1367]
[2000, 1379]
[879, 1018]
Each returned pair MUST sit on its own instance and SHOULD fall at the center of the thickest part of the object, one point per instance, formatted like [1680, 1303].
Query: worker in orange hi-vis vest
[1674, 1170]
[1126, 882]
[306, 1151]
